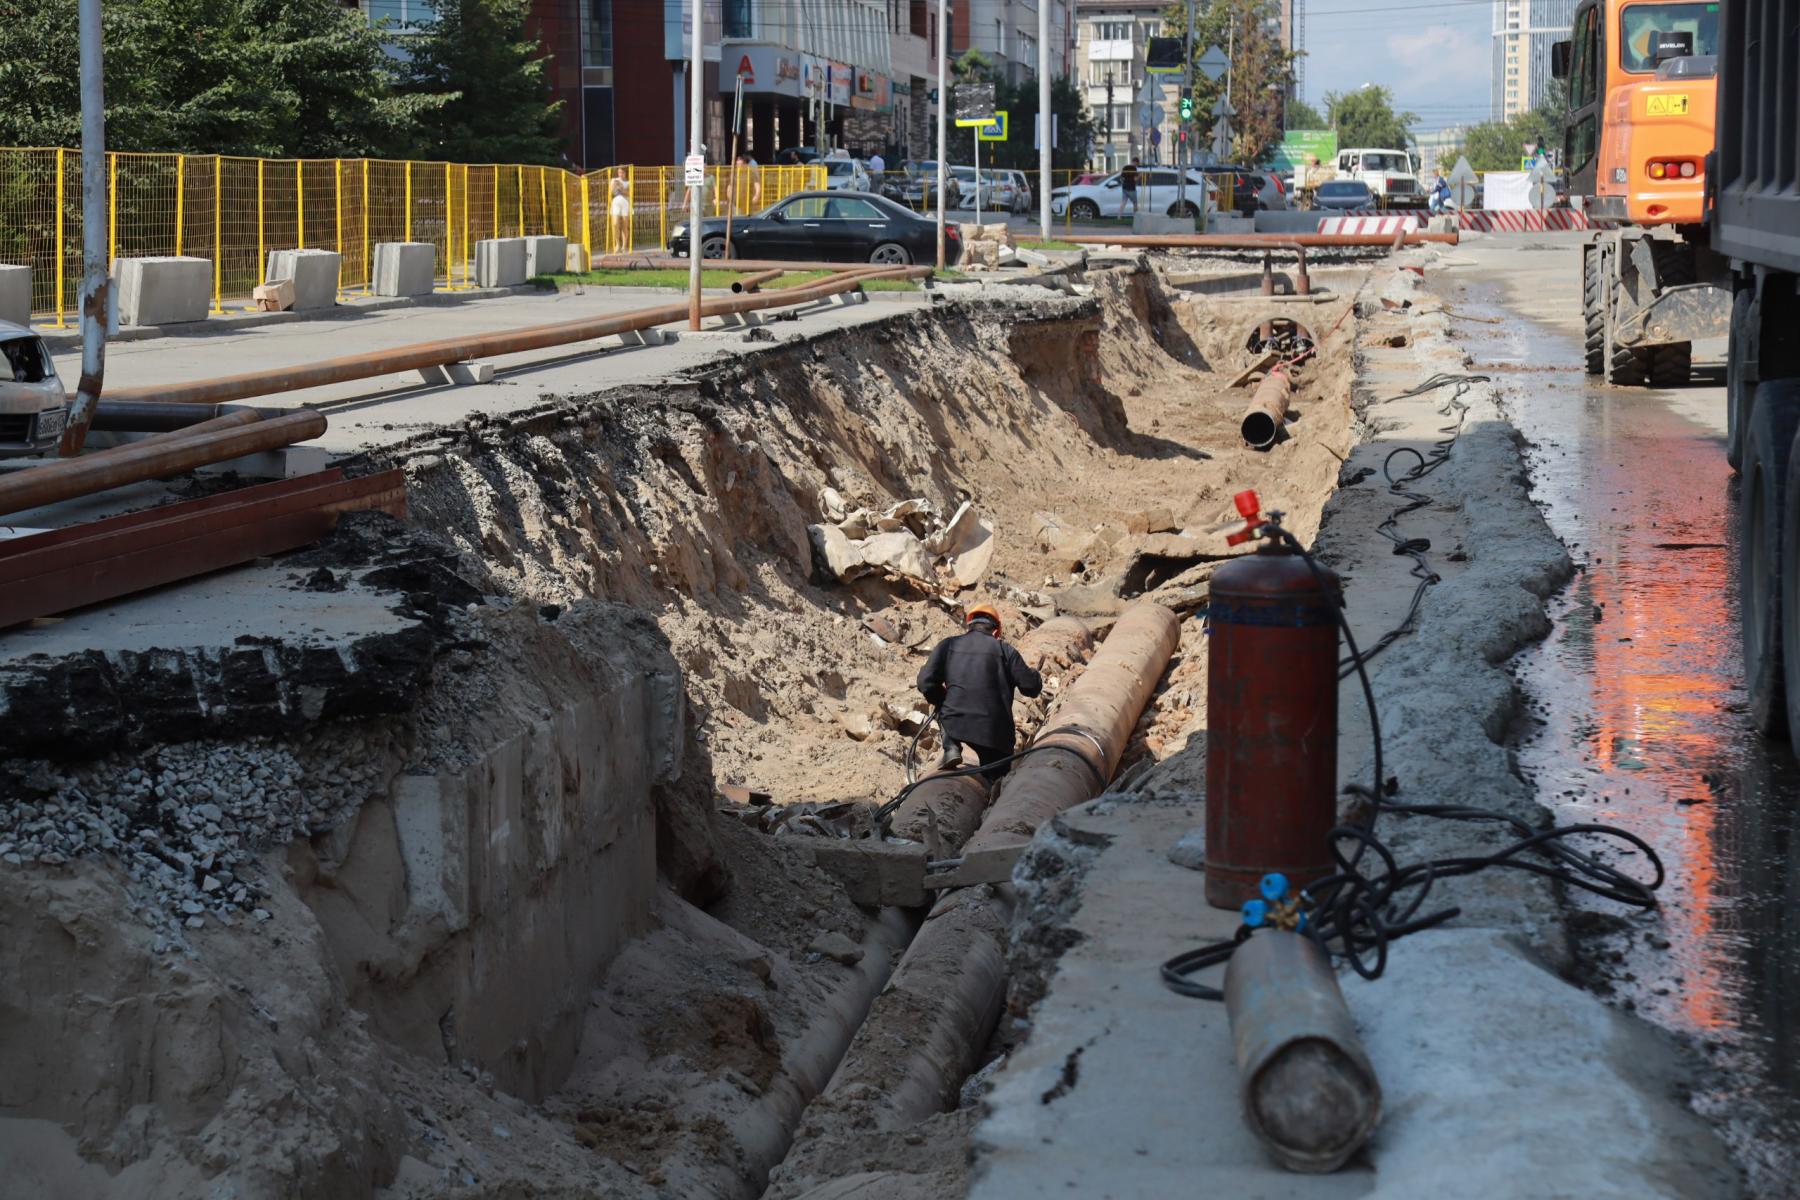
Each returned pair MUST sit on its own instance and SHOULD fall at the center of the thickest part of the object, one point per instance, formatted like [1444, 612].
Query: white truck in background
[1391, 174]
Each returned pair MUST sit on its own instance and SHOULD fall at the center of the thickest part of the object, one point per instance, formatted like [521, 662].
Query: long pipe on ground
[141, 416]
[663, 262]
[755, 280]
[922, 1036]
[953, 804]
[212, 441]
[507, 341]
[1267, 413]
[1252, 241]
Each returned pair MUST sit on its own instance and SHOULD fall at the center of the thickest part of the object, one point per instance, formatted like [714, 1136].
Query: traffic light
[1187, 106]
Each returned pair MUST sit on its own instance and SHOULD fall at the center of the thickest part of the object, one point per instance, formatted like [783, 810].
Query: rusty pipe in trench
[945, 996]
[953, 804]
[507, 341]
[1267, 414]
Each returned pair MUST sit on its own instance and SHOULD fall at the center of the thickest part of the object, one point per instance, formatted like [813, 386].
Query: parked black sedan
[826, 227]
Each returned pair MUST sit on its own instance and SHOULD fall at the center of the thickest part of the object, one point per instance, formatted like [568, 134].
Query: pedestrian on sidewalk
[970, 678]
[619, 213]
[1440, 193]
[1128, 181]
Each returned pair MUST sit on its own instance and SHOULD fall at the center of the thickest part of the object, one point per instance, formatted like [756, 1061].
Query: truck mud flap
[1685, 313]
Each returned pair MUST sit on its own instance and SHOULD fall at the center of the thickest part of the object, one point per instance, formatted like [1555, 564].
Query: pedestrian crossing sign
[995, 131]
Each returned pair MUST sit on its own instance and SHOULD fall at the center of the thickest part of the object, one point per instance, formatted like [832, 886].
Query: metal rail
[1256, 241]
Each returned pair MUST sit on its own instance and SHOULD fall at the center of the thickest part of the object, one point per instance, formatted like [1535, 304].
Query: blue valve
[1256, 913]
[1274, 887]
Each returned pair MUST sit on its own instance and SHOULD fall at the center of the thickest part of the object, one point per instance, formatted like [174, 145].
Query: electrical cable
[1354, 915]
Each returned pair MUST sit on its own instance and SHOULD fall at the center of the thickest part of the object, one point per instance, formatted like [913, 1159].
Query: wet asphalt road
[1636, 697]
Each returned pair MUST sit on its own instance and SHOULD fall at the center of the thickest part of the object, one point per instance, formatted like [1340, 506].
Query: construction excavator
[1642, 87]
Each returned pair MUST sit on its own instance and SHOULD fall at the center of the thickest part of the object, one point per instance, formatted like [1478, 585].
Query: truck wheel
[1593, 313]
[1628, 367]
[1671, 365]
[1766, 502]
[1739, 390]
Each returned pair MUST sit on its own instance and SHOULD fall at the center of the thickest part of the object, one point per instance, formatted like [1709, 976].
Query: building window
[402, 12]
[1112, 31]
[999, 37]
[597, 33]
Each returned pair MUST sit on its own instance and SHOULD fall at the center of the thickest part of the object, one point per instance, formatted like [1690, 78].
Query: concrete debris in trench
[908, 539]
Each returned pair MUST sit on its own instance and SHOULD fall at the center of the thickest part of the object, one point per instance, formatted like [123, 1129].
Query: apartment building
[1110, 36]
[1007, 32]
[1524, 31]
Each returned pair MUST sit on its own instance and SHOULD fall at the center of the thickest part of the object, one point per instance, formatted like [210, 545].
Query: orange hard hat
[983, 609]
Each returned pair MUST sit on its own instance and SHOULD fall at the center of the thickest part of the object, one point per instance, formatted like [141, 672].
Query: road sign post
[1462, 181]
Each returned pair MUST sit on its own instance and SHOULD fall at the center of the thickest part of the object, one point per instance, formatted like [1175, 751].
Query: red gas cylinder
[1271, 720]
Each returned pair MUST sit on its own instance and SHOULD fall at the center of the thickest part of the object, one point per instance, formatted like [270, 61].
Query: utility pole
[95, 285]
[1186, 154]
[943, 120]
[696, 149]
[1045, 125]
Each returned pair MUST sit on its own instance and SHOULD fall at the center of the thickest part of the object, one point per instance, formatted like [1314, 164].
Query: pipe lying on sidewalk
[213, 441]
[755, 280]
[507, 341]
[141, 416]
[665, 262]
[954, 804]
[925, 1030]
[1309, 1091]
[1251, 241]
[1267, 414]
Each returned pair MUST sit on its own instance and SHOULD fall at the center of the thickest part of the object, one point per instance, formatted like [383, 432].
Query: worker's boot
[951, 758]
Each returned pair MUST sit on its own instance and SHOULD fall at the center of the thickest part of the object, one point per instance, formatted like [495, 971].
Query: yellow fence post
[449, 230]
[59, 237]
[494, 230]
[218, 234]
[562, 181]
[180, 198]
[587, 226]
[662, 207]
[521, 182]
[468, 253]
[299, 205]
[368, 251]
[112, 208]
[543, 200]
[407, 209]
[337, 188]
[262, 253]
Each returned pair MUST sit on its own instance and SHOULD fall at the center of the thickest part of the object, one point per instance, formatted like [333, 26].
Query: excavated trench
[507, 927]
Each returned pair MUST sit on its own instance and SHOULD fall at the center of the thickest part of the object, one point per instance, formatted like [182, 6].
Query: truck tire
[1765, 500]
[1740, 389]
[1672, 364]
[1593, 312]
[1790, 583]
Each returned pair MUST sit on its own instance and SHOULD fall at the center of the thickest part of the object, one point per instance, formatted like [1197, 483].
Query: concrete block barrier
[545, 254]
[315, 276]
[15, 295]
[575, 258]
[162, 291]
[500, 262]
[405, 268]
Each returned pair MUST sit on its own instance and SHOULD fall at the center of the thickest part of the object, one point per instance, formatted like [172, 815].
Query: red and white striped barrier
[1385, 225]
[1523, 220]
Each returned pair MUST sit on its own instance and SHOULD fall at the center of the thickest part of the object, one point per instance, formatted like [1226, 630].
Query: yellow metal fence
[234, 211]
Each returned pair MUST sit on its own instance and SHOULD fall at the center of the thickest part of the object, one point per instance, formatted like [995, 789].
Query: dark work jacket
[971, 678]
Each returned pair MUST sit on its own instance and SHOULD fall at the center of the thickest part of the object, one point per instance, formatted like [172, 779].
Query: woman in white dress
[619, 212]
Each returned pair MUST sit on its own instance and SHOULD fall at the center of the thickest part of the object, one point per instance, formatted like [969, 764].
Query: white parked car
[1158, 191]
[1015, 191]
[33, 406]
[845, 175]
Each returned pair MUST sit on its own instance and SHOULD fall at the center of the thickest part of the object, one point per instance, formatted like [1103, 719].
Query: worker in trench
[970, 678]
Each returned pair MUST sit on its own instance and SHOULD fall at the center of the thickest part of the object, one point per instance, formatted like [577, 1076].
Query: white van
[1391, 175]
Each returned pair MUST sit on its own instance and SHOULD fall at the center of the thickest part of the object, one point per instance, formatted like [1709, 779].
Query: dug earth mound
[479, 898]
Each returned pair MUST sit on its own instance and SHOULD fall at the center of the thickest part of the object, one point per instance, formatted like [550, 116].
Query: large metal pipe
[1309, 1091]
[213, 442]
[1267, 414]
[507, 341]
[952, 805]
[1251, 241]
[755, 280]
[1078, 750]
[113, 416]
[667, 262]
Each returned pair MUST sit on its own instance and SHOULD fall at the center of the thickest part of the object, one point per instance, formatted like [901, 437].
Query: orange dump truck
[1642, 100]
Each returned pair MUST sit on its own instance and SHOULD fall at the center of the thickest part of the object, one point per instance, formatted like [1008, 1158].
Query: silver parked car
[33, 406]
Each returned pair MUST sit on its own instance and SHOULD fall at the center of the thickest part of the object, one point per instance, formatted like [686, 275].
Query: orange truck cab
[1643, 97]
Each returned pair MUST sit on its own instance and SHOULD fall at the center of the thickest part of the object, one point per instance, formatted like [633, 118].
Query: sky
[1436, 57]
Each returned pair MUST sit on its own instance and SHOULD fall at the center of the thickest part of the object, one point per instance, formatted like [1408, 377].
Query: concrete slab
[315, 274]
[161, 290]
[500, 262]
[15, 294]
[545, 254]
[405, 268]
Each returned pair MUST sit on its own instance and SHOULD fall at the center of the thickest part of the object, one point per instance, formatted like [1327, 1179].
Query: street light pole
[695, 148]
[943, 114]
[1044, 122]
[95, 284]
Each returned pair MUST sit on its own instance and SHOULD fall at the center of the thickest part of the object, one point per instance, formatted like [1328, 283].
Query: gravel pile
[188, 821]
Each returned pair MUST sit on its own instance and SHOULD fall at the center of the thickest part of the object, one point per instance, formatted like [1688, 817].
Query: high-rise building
[1524, 31]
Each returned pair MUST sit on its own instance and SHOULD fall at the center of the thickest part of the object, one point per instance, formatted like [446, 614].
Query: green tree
[1261, 73]
[1301, 115]
[493, 79]
[1500, 145]
[1366, 118]
[1074, 126]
